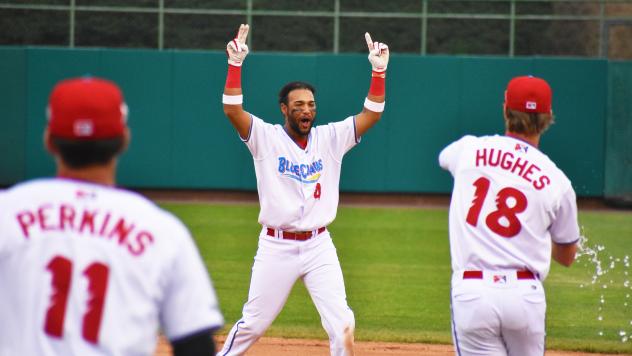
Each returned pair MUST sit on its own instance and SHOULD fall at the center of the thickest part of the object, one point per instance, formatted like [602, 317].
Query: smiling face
[299, 112]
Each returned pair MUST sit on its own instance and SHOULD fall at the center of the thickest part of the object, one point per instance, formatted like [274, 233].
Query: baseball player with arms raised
[511, 210]
[89, 269]
[298, 172]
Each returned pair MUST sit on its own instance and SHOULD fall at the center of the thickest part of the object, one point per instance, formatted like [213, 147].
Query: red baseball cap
[528, 94]
[86, 108]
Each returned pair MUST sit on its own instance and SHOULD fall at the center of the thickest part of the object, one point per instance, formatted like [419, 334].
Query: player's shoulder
[491, 139]
[333, 126]
[536, 155]
[67, 190]
[257, 121]
[550, 166]
[349, 120]
[165, 225]
[256, 118]
[21, 194]
[258, 124]
[453, 147]
[468, 141]
[144, 206]
[539, 158]
[29, 188]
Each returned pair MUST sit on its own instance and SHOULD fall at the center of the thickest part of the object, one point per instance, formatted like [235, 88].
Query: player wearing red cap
[511, 210]
[89, 269]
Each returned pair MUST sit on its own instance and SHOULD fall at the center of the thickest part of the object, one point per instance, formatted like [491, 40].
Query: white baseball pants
[278, 264]
[498, 315]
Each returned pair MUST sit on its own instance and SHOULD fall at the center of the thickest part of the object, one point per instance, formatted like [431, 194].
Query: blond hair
[527, 124]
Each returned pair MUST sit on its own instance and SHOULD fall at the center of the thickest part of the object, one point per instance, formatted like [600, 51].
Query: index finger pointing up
[369, 41]
[243, 33]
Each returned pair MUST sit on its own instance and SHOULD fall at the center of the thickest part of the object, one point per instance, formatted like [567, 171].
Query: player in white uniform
[511, 210]
[89, 269]
[298, 172]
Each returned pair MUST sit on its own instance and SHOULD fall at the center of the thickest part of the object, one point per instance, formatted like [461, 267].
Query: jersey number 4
[317, 191]
[97, 275]
[503, 210]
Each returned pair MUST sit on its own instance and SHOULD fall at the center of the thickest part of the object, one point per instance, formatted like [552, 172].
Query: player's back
[85, 269]
[505, 198]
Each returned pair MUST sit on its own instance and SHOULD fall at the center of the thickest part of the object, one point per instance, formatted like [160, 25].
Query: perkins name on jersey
[67, 218]
[516, 165]
[306, 173]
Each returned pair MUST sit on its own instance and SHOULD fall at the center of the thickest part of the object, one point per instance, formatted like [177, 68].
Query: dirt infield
[272, 346]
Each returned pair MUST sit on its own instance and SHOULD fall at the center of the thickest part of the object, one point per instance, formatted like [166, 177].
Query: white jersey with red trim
[508, 203]
[87, 269]
[298, 188]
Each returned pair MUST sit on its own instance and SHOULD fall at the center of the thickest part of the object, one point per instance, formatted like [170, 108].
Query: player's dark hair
[527, 123]
[85, 153]
[287, 88]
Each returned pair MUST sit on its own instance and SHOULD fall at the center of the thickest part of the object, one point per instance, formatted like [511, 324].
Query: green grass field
[396, 265]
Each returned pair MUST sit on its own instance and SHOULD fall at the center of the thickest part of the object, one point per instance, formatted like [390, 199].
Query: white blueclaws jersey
[298, 188]
[508, 203]
[92, 270]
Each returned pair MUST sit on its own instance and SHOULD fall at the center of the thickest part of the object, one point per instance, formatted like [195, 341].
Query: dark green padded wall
[618, 171]
[13, 118]
[181, 138]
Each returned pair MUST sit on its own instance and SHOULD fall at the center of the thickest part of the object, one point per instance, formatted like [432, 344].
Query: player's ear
[49, 144]
[284, 109]
[127, 138]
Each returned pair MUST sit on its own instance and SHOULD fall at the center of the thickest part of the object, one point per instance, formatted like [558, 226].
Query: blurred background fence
[476, 27]
[451, 61]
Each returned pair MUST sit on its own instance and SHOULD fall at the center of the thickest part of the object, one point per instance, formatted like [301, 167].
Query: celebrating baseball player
[511, 210]
[89, 269]
[298, 173]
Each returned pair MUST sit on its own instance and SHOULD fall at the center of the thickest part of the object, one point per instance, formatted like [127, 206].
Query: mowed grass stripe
[396, 266]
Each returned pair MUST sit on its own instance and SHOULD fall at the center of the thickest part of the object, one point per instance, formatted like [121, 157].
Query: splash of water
[592, 256]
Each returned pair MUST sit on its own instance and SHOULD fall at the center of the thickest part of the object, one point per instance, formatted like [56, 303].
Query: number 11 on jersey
[97, 274]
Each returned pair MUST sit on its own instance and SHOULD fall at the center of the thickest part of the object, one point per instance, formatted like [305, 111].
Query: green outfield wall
[181, 138]
[618, 173]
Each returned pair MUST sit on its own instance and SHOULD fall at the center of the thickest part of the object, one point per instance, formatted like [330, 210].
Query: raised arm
[233, 98]
[374, 103]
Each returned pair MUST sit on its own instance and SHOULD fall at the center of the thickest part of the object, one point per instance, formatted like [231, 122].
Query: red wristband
[233, 78]
[378, 80]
